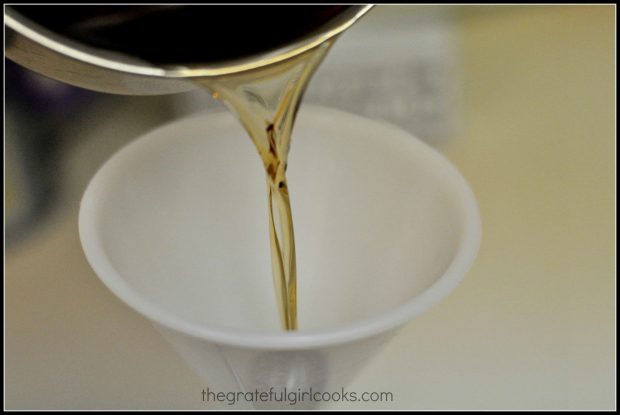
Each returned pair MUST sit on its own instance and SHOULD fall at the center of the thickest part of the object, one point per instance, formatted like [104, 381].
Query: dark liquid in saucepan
[189, 35]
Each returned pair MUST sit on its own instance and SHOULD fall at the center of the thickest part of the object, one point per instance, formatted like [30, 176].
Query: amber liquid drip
[266, 101]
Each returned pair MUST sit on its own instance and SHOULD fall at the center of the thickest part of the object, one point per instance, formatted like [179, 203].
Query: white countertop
[531, 327]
